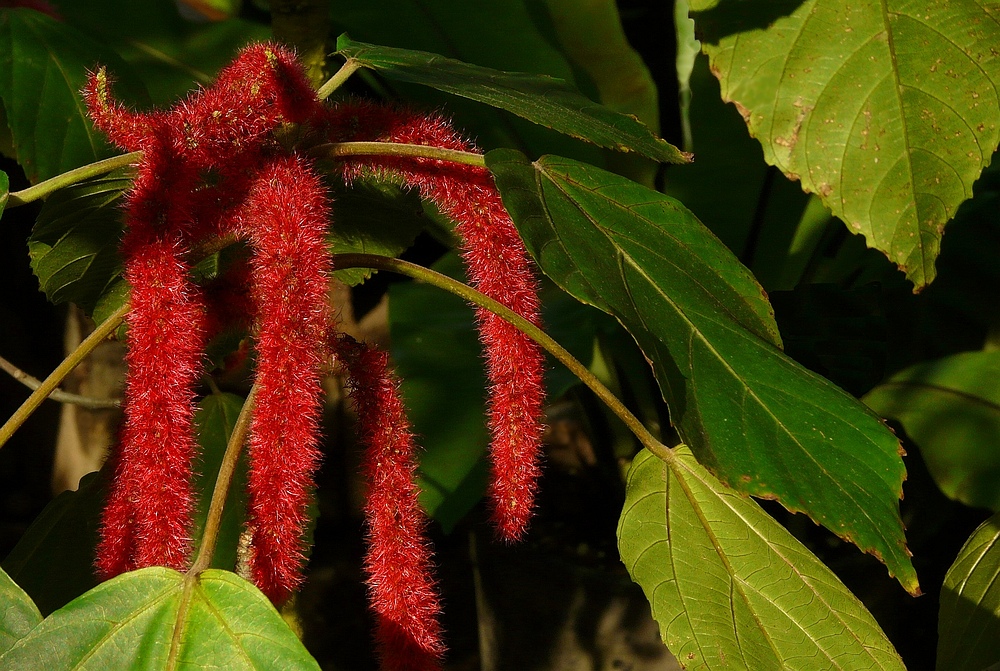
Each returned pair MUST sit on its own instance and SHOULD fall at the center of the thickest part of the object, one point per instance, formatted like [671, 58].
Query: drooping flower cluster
[215, 167]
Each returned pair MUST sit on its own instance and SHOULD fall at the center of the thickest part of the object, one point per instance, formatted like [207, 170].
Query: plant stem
[32, 382]
[222, 483]
[338, 78]
[538, 335]
[341, 149]
[50, 383]
[43, 189]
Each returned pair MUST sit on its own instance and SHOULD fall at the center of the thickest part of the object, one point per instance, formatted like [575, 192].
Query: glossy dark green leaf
[171, 54]
[502, 34]
[54, 560]
[731, 588]
[886, 110]
[214, 421]
[951, 410]
[764, 424]
[19, 615]
[74, 242]
[969, 619]
[544, 100]
[373, 218]
[43, 66]
[129, 622]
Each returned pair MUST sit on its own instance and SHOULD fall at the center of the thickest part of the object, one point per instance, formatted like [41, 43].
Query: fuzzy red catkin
[398, 564]
[147, 517]
[497, 264]
[285, 219]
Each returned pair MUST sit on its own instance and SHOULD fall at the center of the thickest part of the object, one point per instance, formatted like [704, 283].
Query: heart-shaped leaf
[887, 110]
[157, 618]
[20, 615]
[764, 424]
[544, 100]
[43, 66]
[730, 587]
[969, 619]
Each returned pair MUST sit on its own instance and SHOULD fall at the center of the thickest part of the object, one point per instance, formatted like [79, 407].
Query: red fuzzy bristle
[398, 563]
[497, 264]
[285, 220]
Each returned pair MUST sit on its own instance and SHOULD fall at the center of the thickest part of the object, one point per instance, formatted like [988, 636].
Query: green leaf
[74, 243]
[129, 622]
[4, 190]
[169, 53]
[373, 217]
[730, 587]
[951, 410]
[54, 560]
[43, 66]
[214, 420]
[544, 100]
[764, 424]
[969, 619]
[503, 34]
[20, 614]
[593, 38]
[887, 110]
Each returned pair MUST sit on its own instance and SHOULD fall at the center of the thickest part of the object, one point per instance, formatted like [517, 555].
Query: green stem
[50, 383]
[538, 335]
[342, 149]
[43, 189]
[222, 483]
[338, 78]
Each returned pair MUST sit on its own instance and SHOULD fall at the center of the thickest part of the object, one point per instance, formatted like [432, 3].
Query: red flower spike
[398, 561]
[148, 515]
[285, 219]
[498, 265]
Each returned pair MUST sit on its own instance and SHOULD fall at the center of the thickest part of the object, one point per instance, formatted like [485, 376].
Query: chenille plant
[207, 231]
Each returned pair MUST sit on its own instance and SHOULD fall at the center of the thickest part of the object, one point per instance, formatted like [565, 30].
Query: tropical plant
[781, 322]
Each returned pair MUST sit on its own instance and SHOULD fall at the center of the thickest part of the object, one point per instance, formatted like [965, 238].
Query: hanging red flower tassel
[398, 560]
[285, 219]
[497, 264]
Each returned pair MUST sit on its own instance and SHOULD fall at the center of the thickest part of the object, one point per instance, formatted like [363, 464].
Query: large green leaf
[43, 66]
[764, 424]
[502, 34]
[54, 559]
[544, 100]
[969, 619]
[171, 54]
[129, 623]
[20, 615]
[730, 587]
[74, 243]
[887, 110]
[594, 39]
[951, 410]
